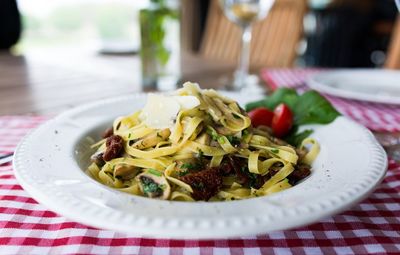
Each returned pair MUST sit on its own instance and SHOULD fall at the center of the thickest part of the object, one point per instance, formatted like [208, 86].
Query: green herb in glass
[154, 52]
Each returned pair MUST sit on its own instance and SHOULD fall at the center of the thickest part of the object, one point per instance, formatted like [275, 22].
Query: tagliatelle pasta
[202, 148]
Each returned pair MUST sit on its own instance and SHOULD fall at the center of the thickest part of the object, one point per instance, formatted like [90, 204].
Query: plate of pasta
[194, 164]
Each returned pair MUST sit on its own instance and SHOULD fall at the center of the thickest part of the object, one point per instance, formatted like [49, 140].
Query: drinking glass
[398, 4]
[160, 44]
[244, 13]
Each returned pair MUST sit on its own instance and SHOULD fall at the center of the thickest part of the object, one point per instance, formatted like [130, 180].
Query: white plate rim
[314, 82]
[192, 228]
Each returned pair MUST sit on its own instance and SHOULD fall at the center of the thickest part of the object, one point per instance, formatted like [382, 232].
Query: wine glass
[244, 13]
[395, 153]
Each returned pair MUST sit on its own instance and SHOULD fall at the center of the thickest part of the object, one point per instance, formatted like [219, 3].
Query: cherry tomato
[282, 121]
[261, 116]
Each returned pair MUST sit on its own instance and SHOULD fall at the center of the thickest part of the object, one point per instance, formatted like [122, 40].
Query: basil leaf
[308, 108]
[312, 108]
[295, 138]
[282, 95]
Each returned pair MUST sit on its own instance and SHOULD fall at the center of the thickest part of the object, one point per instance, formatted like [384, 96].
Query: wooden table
[49, 82]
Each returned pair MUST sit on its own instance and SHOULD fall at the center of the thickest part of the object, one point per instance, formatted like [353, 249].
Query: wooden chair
[192, 24]
[393, 56]
[274, 42]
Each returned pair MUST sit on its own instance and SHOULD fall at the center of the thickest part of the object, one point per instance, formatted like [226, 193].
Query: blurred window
[79, 24]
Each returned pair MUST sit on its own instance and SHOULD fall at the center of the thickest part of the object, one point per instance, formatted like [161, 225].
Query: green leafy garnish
[308, 108]
[192, 166]
[281, 95]
[187, 166]
[150, 187]
[275, 151]
[312, 108]
[253, 179]
[200, 155]
[201, 160]
[154, 172]
[296, 138]
[233, 139]
[252, 176]
[214, 135]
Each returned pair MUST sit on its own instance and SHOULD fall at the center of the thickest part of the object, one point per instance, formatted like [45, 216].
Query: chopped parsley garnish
[252, 176]
[221, 140]
[200, 155]
[189, 166]
[233, 139]
[150, 187]
[154, 172]
[275, 151]
[214, 135]
[129, 136]
[245, 134]
[253, 179]
[192, 166]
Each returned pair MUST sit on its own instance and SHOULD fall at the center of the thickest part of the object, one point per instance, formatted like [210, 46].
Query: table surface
[48, 82]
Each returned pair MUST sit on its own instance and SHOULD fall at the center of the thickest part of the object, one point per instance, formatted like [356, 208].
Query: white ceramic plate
[49, 163]
[373, 85]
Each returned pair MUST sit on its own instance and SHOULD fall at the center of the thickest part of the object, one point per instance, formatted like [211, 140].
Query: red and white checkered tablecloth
[375, 116]
[26, 227]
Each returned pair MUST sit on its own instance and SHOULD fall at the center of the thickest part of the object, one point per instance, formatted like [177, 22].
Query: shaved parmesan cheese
[187, 102]
[161, 111]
